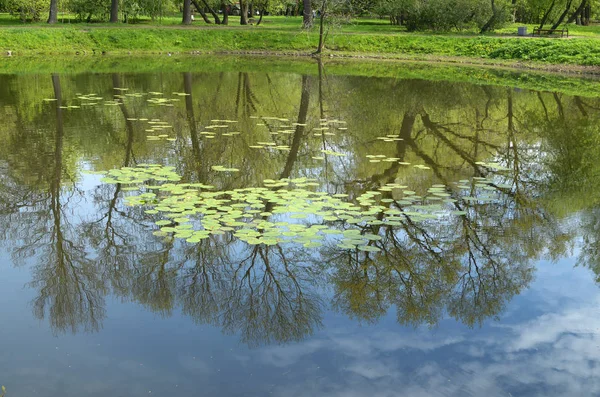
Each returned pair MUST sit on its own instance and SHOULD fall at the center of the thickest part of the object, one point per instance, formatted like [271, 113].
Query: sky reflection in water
[483, 303]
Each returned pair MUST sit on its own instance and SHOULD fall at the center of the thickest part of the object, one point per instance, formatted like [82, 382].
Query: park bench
[562, 31]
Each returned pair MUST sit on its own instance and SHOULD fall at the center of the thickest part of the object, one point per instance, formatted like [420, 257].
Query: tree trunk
[547, 14]
[587, 15]
[562, 16]
[209, 8]
[307, 18]
[488, 25]
[577, 12]
[114, 11]
[187, 12]
[321, 29]
[260, 13]
[225, 20]
[251, 9]
[513, 3]
[201, 11]
[53, 17]
[244, 12]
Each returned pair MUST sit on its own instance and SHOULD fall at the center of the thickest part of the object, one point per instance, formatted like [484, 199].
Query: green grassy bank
[151, 39]
[540, 81]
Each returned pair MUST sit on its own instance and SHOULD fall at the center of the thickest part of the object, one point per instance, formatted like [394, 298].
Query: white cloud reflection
[552, 354]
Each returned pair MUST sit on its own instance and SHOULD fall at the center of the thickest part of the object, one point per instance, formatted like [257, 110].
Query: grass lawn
[361, 36]
[281, 23]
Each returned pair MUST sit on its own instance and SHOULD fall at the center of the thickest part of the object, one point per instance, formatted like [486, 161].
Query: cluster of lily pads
[89, 99]
[377, 158]
[222, 126]
[281, 125]
[390, 138]
[327, 127]
[155, 125]
[285, 210]
[221, 168]
[158, 100]
[270, 145]
[141, 174]
[276, 126]
[193, 213]
[94, 99]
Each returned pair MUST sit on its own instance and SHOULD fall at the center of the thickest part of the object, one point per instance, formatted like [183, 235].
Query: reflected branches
[84, 246]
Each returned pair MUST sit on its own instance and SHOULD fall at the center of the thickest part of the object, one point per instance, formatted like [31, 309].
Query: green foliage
[32, 10]
[443, 15]
[88, 9]
[149, 40]
[136, 9]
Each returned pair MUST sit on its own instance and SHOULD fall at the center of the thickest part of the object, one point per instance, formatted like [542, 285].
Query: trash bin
[522, 31]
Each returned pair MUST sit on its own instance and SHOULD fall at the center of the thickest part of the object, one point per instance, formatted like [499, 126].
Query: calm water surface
[482, 280]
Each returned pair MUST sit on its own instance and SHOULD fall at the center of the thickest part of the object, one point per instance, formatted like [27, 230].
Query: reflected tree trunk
[559, 106]
[512, 138]
[128, 152]
[539, 95]
[300, 129]
[58, 145]
[63, 278]
[322, 111]
[406, 130]
[245, 97]
[434, 128]
[298, 135]
[579, 104]
[189, 107]
[321, 77]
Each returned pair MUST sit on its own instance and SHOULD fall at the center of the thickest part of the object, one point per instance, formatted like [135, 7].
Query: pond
[257, 232]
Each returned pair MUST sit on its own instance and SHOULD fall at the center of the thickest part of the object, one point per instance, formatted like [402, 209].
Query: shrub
[26, 10]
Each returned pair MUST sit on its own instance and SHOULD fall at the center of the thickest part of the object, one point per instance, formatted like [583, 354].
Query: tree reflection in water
[86, 244]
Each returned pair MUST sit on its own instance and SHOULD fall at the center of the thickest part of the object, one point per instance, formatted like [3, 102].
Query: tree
[53, 16]
[244, 12]
[225, 12]
[27, 9]
[210, 10]
[576, 16]
[307, 15]
[563, 15]
[114, 11]
[187, 12]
